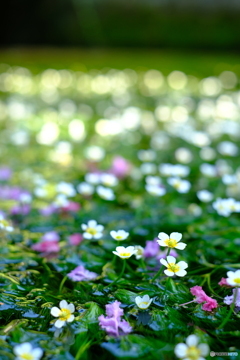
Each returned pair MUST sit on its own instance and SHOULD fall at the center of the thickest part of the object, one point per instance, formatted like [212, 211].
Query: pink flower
[48, 210]
[202, 297]
[75, 239]
[223, 283]
[23, 209]
[71, 206]
[112, 323]
[120, 167]
[49, 243]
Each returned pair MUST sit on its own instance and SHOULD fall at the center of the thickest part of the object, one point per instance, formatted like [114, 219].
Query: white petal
[182, 264]
[87, 235]
[121, 249]
[192, 340]
[59, 323]
[113, 233]
[204, 348]
[146, 298]
[169, 273]
[84, 226]
[181, 273]
[37, 353]
[176, 236]
[164, 262]
[163, 236]
[97, 236]
[130, 249]
[181, 350]
[115, 253]
[138, 299]
[231, 274]
[161, 242]
[23, 348]
[71, 318]
[99, 228]
[92, 223]
[55, 311]
[171, 259]
[180, 246]
[63, 304]
[71, 307]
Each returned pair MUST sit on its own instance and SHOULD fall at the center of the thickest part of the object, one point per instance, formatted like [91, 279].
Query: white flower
[108, 179]
[64, 313]
[225, 207]
[233, 278]
[143, 302]
[182, 186]
[5, 225]
[165, 169]
[191, 350]
[140, 251]
[92, 230]
[155, 190]
[85, 189]
[148, 168]
[228, 179]
[66, 189]
[228, 148]
[208, 170]
[173, 268]
[205, 195]
[153, 180]
[26, 351]
[146, 155]
[119, 235]
[25, 198]
[171, 241]
[105, 193]
[61, 201]
[92, 178]
[125, 253]
[179, 170]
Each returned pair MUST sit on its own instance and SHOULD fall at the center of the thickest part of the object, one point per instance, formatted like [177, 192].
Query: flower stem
[62, 283]
[189, 302]
[161, 268]
[230, 311]
[121, 274]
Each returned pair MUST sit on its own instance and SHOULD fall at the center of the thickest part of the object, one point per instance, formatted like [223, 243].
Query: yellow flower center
[173, 267]
[27, 356]
[65, 314]
[91, 231]
[171, 243]
[237, 280]
[177, 185]
[141, 305]
[193, 353]
[125, 254]
[119, 237]
[4, 223]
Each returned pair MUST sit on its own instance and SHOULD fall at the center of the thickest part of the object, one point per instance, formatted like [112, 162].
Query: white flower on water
[125, 253]
[105, 193]
[64, 314]
[143, 302]
[233, 278]
[92, 230]
[174, 268]
[182, 186]
[26, 351]
[191, 350]
[171, 241]
[119, 235]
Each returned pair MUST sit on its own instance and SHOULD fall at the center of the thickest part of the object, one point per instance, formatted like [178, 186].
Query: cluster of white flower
[154, 186]
[103, 182]
[226, 207]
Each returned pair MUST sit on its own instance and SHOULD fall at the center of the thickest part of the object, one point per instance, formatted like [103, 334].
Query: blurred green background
[198, 37]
